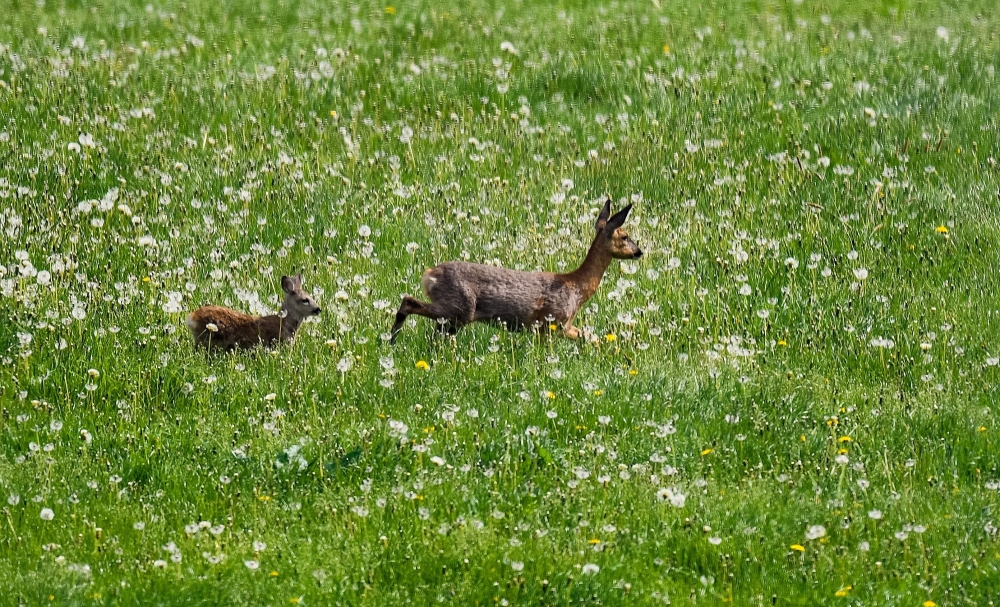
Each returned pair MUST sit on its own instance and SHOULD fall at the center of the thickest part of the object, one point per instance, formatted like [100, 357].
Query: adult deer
[461, 293]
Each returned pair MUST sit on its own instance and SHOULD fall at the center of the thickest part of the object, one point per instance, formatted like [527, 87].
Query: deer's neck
[588, 276]
[289, 325]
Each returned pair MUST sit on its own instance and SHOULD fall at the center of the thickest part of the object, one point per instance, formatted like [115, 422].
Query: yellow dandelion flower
[264, 498]
[982, 428]
[594, 541]
[551, 395]
[782, 342]
[552, 327]
[633, 371]
[941, 230]
[798, 547]
[707, 451]
[274, 574]
[930, 604]
[844, 439]
[843, 591]
[295, 600]
[598, 392]
[390, 10]
[666, 49]
[333, 113]
[610, 337]
[422, 365]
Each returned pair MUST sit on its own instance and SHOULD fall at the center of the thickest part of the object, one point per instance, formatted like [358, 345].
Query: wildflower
[666, 49]
[798, 547]
[671, 495]
[212, 327]
[930, 604]
[93, 373]
[390, 10]
[941, 230]
[422, 365]
[252, 565]
[508, 47]
[517, 566]
[815, 532]
[47, 514]
[590, 569]
[610, 337]
[843, 591]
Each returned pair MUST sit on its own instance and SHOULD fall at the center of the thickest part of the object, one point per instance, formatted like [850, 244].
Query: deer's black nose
[638, 253]
[317, 310]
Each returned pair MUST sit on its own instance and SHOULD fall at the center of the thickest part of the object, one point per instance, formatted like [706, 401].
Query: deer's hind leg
[409, 305]
[450, 315]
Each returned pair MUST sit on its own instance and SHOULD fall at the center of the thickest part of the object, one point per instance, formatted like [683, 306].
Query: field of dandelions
[787, 401]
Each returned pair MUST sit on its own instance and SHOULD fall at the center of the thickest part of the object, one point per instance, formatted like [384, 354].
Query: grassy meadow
[787, 401]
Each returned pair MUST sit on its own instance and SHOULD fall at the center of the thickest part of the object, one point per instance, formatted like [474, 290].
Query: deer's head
[611, 234]
[297, 302]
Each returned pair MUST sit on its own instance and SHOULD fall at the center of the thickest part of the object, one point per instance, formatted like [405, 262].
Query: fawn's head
[611, 234]
[297, 302]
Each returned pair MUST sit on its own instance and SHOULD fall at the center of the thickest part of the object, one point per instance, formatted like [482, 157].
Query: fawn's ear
[602, 219]
[298, 280]
[618, 219]
[287, 284]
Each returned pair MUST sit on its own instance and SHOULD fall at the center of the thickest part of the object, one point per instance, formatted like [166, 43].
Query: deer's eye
[304, 300]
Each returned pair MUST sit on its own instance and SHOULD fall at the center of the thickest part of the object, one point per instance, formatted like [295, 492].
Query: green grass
[838, 158]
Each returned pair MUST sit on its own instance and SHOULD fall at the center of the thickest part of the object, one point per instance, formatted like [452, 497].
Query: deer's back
[512, 296]
[234, 329]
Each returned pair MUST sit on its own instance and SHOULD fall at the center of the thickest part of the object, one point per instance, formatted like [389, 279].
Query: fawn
[461, 293]
[226, 329]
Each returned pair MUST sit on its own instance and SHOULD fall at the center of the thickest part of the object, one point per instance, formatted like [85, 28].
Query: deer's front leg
[571, 332]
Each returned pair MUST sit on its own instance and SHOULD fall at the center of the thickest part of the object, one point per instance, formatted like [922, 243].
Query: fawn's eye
[304, 300]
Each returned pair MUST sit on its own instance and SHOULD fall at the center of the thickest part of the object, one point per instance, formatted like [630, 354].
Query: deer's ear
[287, 284]
[298, 280]
[602, 219]
[618, 219]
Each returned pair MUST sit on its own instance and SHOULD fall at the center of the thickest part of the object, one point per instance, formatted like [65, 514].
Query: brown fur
[238, 330]
[461, 293]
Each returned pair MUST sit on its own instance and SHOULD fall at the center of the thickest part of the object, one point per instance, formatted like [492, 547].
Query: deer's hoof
[572, 332]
